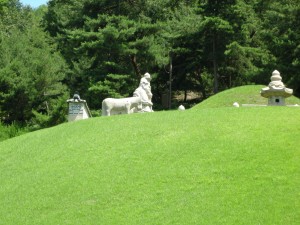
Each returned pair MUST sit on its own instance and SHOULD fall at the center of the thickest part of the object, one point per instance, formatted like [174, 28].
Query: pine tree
[282, 37]
[30, 70]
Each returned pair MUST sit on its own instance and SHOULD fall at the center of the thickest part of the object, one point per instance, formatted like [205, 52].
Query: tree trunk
[202, 87]
[185, 95]
[170, 81]
[135, 66]
[216, 82]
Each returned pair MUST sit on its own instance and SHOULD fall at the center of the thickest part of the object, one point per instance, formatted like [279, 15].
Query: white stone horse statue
[113, 106]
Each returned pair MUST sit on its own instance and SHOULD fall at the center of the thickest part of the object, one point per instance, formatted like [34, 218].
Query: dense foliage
[101, 48]
[213, 44]
[31, 70]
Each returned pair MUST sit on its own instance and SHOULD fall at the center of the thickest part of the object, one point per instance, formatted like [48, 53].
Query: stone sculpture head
[147, 76]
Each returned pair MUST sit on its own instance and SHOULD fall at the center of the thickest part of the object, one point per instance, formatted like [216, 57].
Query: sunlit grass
[221, 165]
[243, 95]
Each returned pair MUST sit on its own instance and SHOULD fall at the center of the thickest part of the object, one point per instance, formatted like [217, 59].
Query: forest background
[101, 48]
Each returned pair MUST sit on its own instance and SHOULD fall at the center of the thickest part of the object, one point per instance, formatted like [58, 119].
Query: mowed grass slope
[249, 94]
[200, 166]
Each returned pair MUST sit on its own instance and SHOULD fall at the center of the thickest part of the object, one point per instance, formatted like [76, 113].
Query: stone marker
[78, 109]
[276, 92]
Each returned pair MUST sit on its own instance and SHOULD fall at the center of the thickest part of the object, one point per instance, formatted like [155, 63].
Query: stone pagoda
[276, 92]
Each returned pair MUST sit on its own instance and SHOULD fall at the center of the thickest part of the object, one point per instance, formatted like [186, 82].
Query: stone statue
[114, 106]
[140, 102]
[144, 93]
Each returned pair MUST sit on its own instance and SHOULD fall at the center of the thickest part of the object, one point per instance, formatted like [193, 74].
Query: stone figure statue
[145, 94]
[140, 102]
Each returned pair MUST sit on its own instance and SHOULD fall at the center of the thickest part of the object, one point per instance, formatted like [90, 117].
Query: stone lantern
[78, 109]
[276, 92]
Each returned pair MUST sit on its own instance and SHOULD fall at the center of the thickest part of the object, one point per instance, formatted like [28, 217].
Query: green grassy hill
[249, 94]
[205, 165]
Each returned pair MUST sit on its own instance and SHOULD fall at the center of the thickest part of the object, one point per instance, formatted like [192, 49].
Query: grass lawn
[206, 165]
[249, 94]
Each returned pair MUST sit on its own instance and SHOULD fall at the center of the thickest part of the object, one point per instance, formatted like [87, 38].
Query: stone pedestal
[78, 109]
[276, 100]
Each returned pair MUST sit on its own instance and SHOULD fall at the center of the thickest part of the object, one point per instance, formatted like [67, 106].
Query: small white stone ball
[236, 104]
[181, 107]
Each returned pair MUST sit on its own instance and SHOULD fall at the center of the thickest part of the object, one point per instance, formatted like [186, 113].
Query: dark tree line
[102, 47]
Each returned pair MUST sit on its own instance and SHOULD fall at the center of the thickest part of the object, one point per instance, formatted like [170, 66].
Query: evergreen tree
[108, 45]
[281, 34]
[30, 70]
[213, 45]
